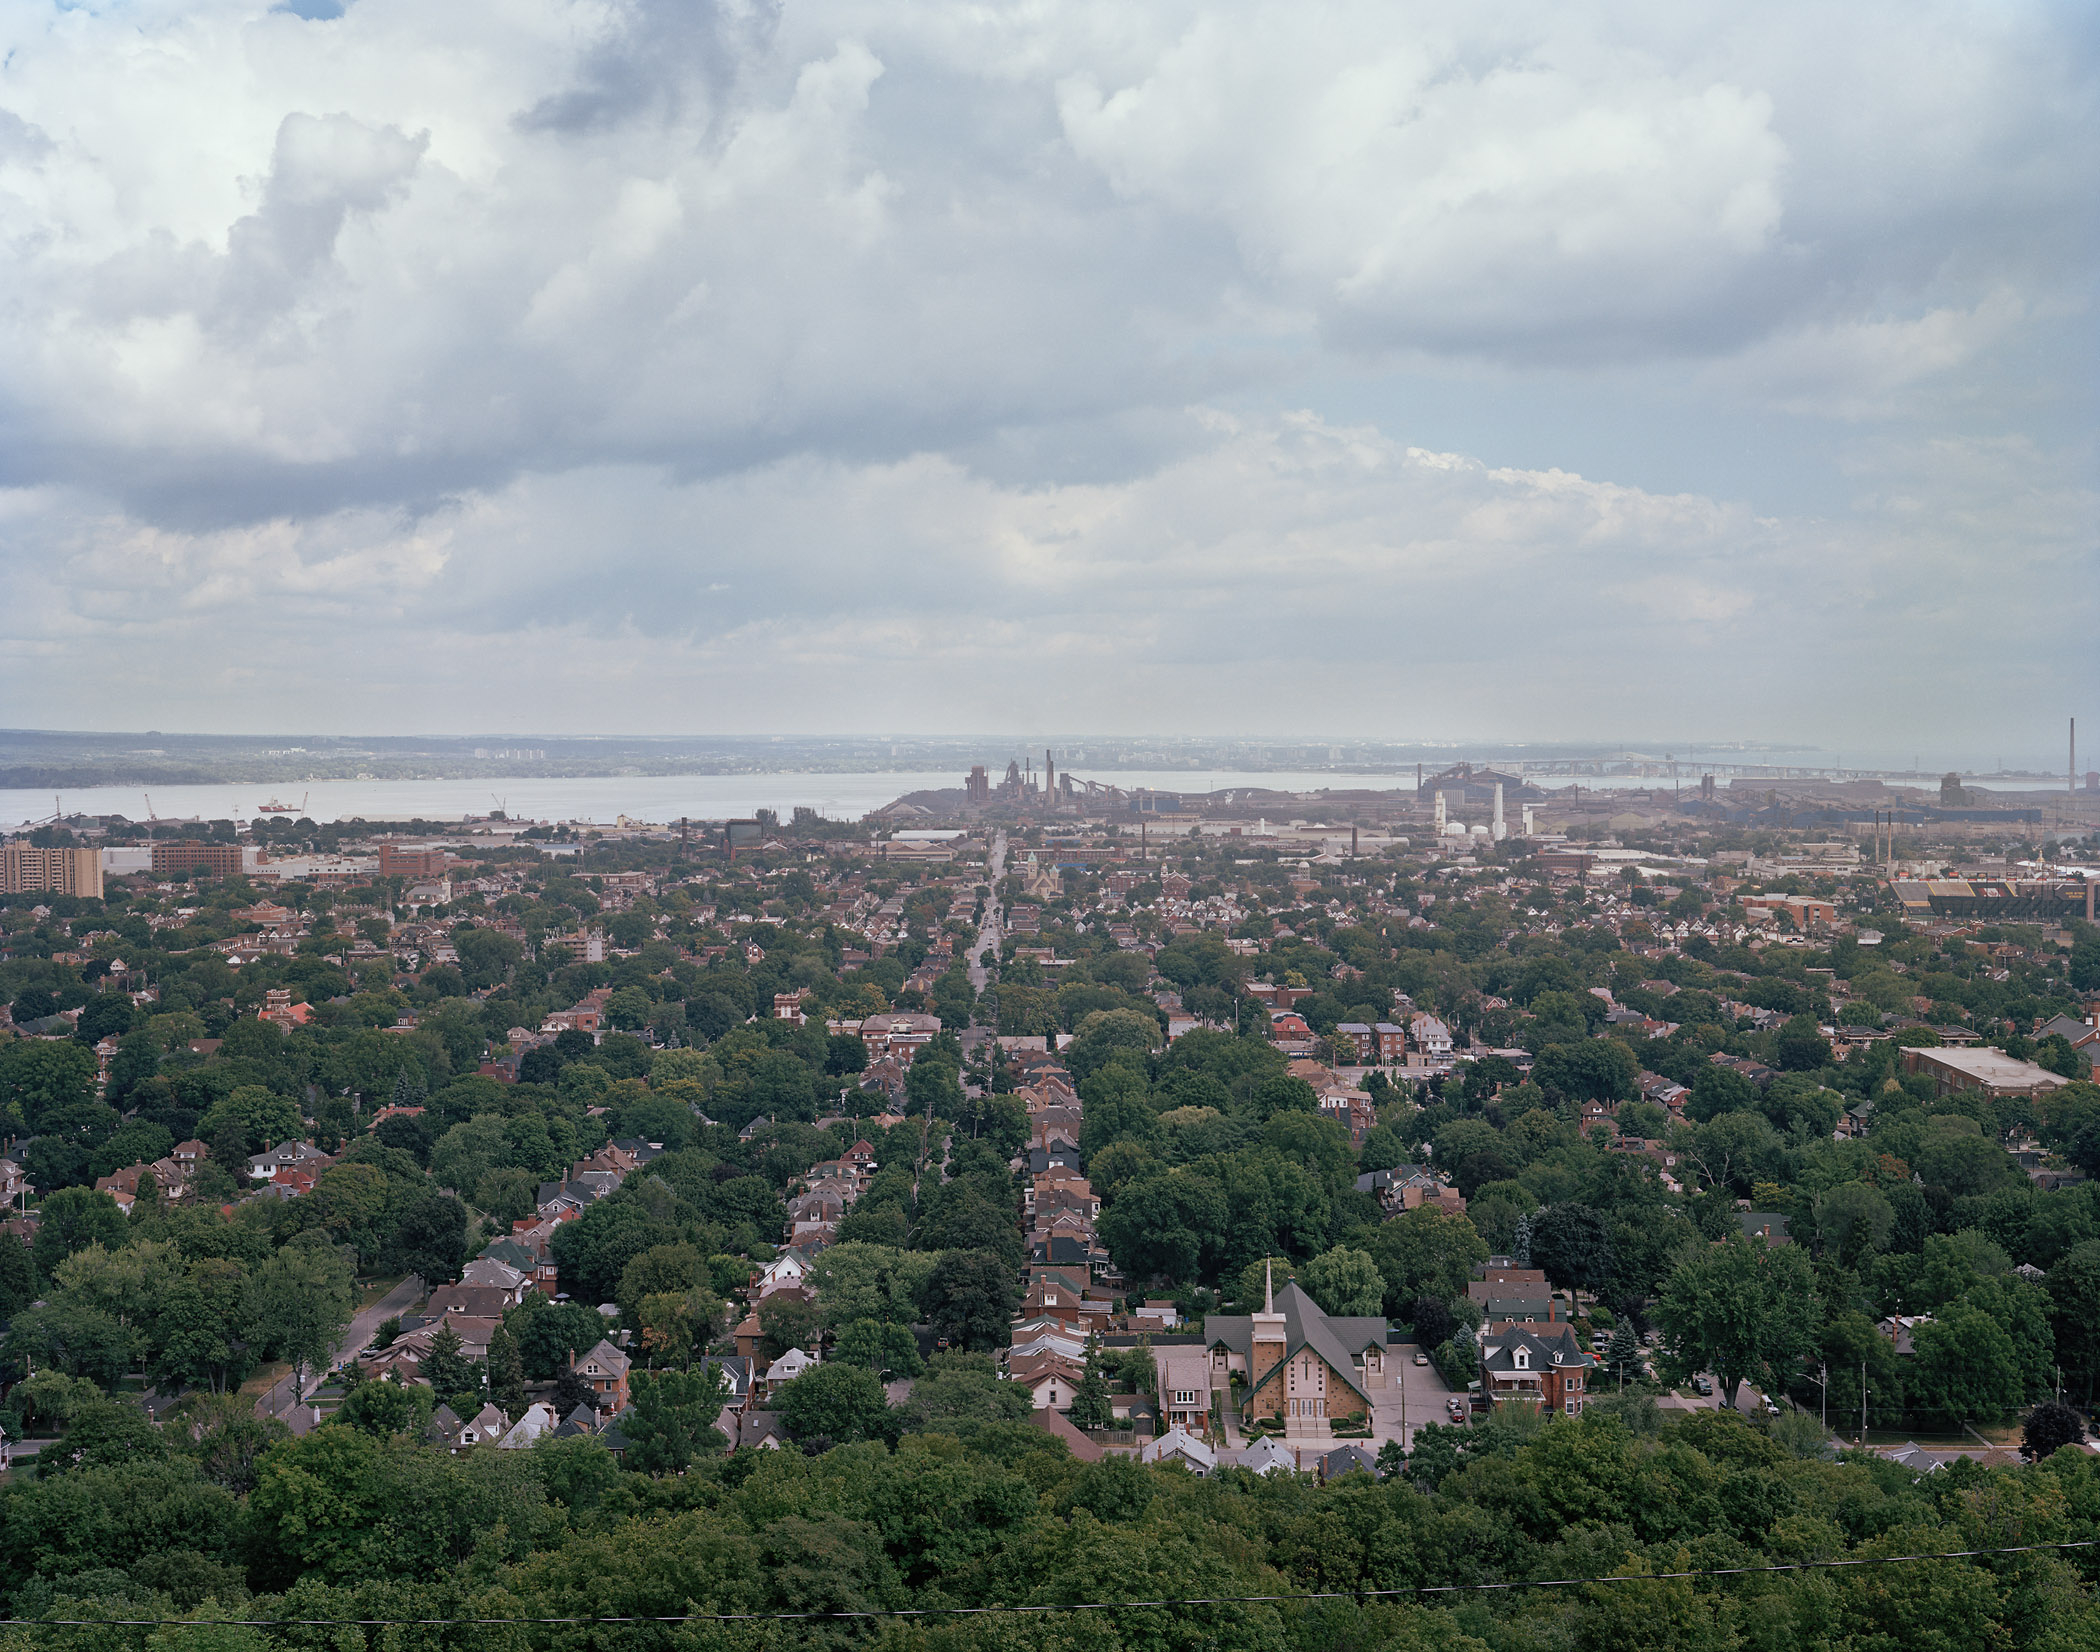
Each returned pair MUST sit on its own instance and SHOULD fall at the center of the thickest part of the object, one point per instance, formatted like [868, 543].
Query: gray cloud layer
[658, 366]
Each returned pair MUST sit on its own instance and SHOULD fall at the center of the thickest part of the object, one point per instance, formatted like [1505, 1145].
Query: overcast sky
[1535, 371]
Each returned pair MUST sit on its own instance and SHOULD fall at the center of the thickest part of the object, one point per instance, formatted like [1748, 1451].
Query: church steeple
[1271, 1332]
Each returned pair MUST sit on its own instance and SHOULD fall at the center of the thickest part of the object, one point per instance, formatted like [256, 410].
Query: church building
[1298, 1363]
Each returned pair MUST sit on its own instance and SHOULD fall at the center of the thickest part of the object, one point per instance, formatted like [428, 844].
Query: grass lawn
[266, 1377]
[2007, 1436]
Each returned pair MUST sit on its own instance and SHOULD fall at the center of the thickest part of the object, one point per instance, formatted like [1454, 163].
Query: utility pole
[1862, 1402]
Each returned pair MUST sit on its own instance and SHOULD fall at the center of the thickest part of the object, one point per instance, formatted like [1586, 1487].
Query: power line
[1358, 1595]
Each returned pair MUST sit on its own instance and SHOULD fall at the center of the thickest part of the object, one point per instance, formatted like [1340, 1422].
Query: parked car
[1702, 1385]
[1456, 1405]
[1421, 1358]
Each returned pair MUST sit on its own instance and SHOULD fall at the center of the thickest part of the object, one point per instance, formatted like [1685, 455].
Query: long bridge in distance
[1683, 768]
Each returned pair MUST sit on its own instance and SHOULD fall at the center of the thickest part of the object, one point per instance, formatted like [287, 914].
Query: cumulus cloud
[867, 341]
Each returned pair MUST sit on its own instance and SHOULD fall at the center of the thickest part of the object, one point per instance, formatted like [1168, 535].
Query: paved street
[283, 1398]
[988, 935]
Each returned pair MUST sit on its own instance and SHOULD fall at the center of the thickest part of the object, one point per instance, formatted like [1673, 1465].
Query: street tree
[506, 1372]
[299, 1303]
[2050, 1427]
[1424, 1252]
[452, 1376]
[1741, 1309]
[1572, 1243]
[969, 1298]
[1091, 1407]
[671, 1418]
[837, 1402]
[886, 1348]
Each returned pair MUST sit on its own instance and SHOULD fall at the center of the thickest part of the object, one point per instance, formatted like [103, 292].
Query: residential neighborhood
[1349, 1143]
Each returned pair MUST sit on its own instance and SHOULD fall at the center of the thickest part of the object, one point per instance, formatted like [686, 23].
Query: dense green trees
[351, 1522]
[1740, 1309]
[839, 1402]
[672, 1419]
[299, 1303]
[968, 1298]
[1346, 1282]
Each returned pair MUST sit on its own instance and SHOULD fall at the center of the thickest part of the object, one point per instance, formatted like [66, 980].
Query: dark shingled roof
[1306, 1325]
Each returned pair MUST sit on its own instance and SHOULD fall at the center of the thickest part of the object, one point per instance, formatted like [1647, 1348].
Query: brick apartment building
[218, 860]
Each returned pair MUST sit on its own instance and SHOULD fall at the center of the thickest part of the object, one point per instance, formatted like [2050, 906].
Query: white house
[539, 1420]
[1268, 1455]
[1178, 1445]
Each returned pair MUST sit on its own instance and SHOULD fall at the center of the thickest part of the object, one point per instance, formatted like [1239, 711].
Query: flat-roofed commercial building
[1982, 1071]
[416, 864]
[26, 869]
[218, 860]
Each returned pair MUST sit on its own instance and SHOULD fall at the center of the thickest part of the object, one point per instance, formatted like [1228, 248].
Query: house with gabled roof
[1390, 1187]
[1058, 1426]
[1513, 1294]
[739, 1375]
[1530, 1361]
[584, 1419]
[1179, 1446]
[288, 1155]
[759, 1431]
[1184, 1387]
[604, 1370]
[789, 1267]
[488, 1425]
[537, 1422]
[1268, 1455]
[1030, 1336]
[1051, 1378]
[491, 1273]
[787, 1368]
[1346, 1459]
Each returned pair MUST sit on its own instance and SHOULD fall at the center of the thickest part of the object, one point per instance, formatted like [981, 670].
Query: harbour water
[601, 800]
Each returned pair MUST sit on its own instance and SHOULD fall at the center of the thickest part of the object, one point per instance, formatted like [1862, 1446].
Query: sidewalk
[283, 1401]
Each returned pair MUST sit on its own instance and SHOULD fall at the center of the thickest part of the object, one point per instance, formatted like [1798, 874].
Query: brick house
[605, 1368]
[1526, 1360]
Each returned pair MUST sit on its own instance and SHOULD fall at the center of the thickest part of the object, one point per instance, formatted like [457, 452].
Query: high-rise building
[978, 787]
[26, 869]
